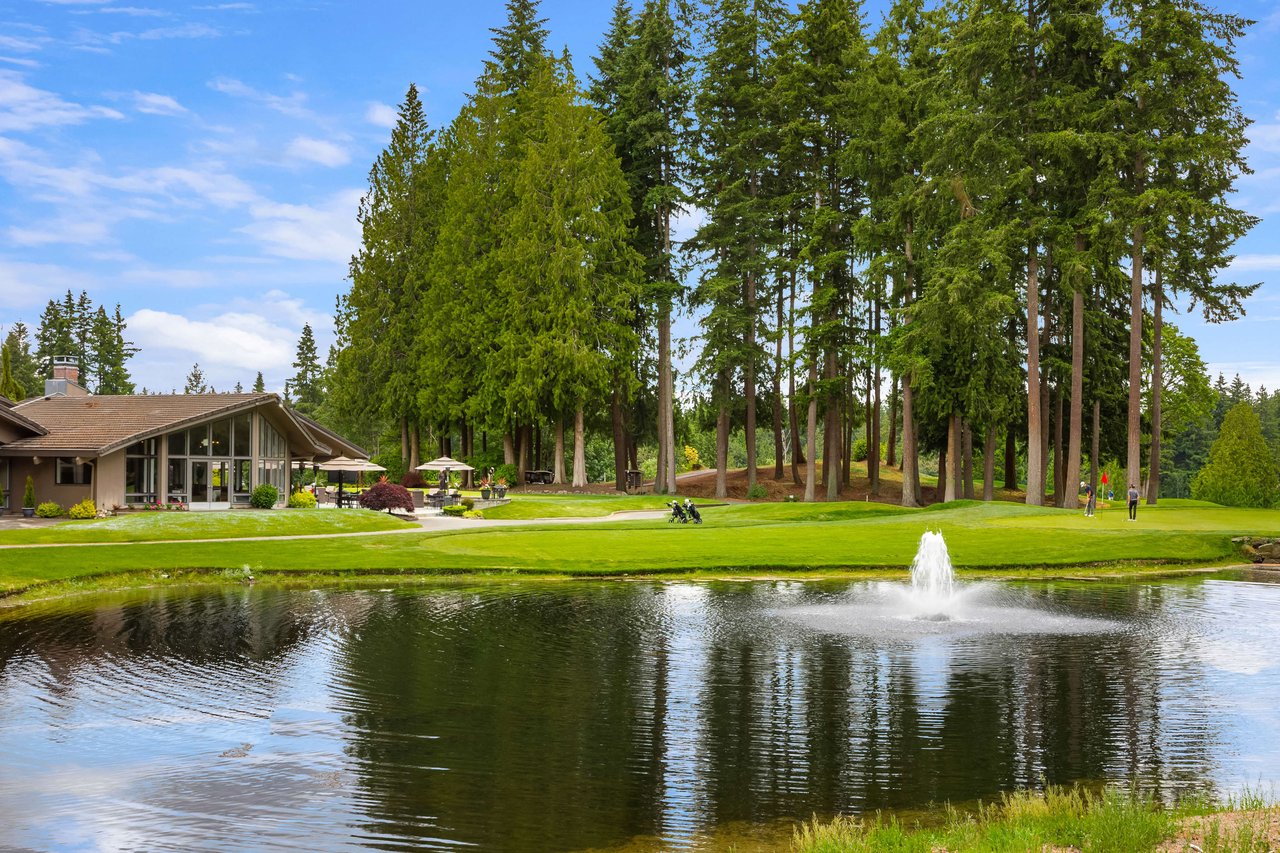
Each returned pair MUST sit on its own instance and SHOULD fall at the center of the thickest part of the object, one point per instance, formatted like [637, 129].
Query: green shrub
[469, 503]
[29, 495]
[757, 492]
[50, 509]
[302, 500]
[264, 497]
[1241, 470]
[85, 509]
[473, 513]
[507, 472]
[456, 510]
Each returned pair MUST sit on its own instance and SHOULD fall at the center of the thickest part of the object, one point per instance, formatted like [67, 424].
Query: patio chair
[419, 499]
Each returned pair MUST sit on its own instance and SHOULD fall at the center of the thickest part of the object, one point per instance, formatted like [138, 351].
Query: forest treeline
[955, 230]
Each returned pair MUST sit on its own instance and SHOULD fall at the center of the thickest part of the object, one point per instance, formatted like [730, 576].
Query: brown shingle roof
[8, 415]
[101, 424]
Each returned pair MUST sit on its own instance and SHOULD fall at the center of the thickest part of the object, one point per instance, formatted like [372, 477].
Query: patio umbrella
[444, 465]
[339, 464]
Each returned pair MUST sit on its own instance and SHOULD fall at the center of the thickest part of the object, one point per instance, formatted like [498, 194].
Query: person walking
[1133, 502]
[1090, 501]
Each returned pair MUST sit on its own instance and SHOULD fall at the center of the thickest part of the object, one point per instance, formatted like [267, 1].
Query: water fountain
[935, 603]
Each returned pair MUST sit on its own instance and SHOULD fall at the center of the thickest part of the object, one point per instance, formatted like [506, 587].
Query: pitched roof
[8, 415]
[331, 438]
[97, 425]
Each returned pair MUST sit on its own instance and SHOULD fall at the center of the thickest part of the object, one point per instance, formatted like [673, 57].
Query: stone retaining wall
[1259, 549]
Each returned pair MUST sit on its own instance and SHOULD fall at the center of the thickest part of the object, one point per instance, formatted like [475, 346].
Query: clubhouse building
[208, 451]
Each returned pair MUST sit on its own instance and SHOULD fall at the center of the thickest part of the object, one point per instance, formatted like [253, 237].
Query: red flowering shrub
[387, 496]
[412, 480]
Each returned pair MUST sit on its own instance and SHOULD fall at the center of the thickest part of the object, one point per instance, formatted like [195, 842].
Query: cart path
[427, 524]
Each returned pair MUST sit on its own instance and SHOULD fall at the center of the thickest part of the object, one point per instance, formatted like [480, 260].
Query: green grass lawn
[530, 506]
[1006, 537]
[153, 526]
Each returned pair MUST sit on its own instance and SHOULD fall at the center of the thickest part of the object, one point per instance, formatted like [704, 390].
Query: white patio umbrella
[444, 465]
[345, 463]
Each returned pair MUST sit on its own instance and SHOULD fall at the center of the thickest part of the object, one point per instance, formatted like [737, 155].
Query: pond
[605, 716]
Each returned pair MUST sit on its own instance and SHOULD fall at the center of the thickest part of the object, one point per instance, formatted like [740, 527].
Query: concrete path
[437, 523]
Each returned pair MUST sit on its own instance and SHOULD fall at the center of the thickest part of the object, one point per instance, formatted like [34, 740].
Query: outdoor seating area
[539, 478]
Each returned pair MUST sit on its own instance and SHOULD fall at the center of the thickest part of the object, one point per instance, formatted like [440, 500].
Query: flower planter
[28, 512]
[484, 494]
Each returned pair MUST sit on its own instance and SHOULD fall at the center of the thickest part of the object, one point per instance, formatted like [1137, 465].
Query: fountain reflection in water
[935, 603]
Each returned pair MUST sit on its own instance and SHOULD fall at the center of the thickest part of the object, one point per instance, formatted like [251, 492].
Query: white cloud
[27, 286]
[24, 107]
[153, 103]
[220, 343]
[292, 104]
[18, 43]
[24, 63]
[134, 12]
[229, 7]
[1254, 263]
[317, 151]
[66, 229]
[303, 232]
[381, 115]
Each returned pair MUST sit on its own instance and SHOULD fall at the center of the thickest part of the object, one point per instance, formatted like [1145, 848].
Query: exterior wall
[108, 480]
[42, 476]
[8, 433]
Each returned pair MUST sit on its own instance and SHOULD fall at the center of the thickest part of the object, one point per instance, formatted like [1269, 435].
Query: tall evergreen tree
[519, 45]
[9, 386]
[305, 383]
[26, 370]
[196, 383]
[259, 384]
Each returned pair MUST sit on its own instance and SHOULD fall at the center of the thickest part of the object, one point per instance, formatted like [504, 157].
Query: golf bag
[692, 511]
[677, 514]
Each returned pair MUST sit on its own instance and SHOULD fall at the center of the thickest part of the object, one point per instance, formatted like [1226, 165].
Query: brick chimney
[66, 379]
[65, 367]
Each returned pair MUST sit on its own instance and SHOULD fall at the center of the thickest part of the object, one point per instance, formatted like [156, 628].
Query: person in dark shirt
[1133, 502]
[1090, 501]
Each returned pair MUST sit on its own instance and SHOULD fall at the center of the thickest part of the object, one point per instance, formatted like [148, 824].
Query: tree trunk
[945, 483]
[537, 448]
[890, 448]
[557, 473]
[779, 456]
[522, 454]
[508, 449]
[415, 444]
[989, 465]
[1074, 448]
[873, 443]
[1061, 488]
[1133, 460]
[579, 451]
[910, 448]
[1157, 389]
[967, 434]
[1095, 441]
[793, 417]
[666, 480]
[811, 468]
[749, 379]
[949, 486]
[404, 439]
[1035, 429]
[1010, 460]
[722, 445]
[618, 417]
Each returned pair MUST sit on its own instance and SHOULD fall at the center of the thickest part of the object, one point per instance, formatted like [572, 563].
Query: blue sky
[200, 162]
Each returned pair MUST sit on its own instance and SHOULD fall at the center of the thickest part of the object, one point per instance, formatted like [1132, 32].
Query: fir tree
[196, 382]
[259, 385]
[519, 46]
[306, 381]
[9, 386]
[26, 370]
[1241, 469]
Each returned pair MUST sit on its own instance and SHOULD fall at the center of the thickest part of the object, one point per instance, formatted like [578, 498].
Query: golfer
[1133, 502]
[1090, 501]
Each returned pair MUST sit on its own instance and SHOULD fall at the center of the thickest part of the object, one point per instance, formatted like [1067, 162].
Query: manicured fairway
[742, 537]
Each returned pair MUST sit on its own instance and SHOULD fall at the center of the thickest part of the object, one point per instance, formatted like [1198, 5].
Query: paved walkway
[434, 523]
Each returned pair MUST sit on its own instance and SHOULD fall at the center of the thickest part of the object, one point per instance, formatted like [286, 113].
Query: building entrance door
[210, 485]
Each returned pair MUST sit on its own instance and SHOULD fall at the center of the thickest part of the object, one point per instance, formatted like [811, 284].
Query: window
[198, 443]
[221, 444]
[177, 444]
[178, 480]
[68, 473]
[270, 442]
[140, 472]
[241, 486]
[272, 472]
[240, 442]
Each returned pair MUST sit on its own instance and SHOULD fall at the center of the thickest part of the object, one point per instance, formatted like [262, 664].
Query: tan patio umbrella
[444, 465]
[340, 464]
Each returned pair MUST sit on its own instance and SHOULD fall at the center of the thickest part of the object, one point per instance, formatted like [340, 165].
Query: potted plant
[501, 488]
[29, 499]
[486, 489]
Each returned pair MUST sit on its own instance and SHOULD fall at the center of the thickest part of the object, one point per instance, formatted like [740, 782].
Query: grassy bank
[1059, 819]
[740, 538]
[158, 526]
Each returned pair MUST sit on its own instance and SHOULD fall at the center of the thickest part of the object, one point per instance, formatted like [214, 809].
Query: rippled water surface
[615, 716]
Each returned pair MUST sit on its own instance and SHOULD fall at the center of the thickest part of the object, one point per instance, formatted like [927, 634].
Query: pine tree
[1241, 469]
[9, 386]
[519, 46]
[259, 385]
[110, 353]
[196, 382]
[26, 371]
[377, 372]
[305, 383]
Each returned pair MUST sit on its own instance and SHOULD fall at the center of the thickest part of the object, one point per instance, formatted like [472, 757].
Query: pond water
[604, 716]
